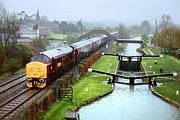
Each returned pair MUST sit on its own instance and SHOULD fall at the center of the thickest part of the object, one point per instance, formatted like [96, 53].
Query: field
[57, 35]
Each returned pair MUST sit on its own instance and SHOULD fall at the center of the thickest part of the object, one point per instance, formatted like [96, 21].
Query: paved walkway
[150, 52]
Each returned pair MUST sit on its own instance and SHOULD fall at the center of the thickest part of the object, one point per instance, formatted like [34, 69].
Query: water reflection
[130, 103]
[131, 50]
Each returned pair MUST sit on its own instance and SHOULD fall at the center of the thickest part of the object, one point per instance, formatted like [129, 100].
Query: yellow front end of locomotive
[36, 73]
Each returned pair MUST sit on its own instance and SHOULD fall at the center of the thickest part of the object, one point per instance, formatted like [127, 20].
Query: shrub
[24, 54]
[11, 65]
[2, 56]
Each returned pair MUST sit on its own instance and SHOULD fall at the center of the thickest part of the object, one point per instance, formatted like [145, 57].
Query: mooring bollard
[177, 92]
[72, 116]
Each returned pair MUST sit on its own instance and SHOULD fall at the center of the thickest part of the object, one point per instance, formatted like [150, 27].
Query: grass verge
[169, 85]
[86, 90]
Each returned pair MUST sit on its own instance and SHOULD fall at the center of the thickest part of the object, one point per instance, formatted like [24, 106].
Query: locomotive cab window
[41, 58]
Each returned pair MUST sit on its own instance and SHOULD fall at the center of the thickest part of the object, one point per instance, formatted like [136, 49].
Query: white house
[27, 32]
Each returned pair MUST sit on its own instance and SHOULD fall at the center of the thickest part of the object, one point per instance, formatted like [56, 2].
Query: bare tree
[122, 31]
[2, 18]
[10, 26]
[145, 27]
[165, 21]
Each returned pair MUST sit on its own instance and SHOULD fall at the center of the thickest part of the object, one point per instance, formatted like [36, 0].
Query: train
[45, 66]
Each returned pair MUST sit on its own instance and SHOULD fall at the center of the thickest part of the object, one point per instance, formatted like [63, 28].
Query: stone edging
[165, 98]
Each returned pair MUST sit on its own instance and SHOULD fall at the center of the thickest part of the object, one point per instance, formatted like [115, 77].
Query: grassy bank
[169, 85]
[85, 90]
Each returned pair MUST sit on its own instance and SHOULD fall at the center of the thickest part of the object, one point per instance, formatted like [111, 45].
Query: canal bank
[168, 87]
[86, 90]
[130, 103]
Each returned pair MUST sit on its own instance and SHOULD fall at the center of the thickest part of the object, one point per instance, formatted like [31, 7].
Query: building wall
[32, 36]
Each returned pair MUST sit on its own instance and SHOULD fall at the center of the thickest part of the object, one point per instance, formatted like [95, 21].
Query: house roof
[26, 30]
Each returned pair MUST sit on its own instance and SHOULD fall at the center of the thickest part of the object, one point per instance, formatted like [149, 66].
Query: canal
[130, 103]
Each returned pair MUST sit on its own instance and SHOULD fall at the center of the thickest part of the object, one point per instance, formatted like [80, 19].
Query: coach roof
[57, 52]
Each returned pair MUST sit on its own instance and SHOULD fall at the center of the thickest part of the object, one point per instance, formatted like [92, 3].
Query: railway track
[7, 108]
[12, 83]
[11, 87]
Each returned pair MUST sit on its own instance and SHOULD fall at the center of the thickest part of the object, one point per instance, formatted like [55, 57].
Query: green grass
[57, 35]
[85, 90]
[168, 64]
[153, 50]
[51, 41]
[169, 89]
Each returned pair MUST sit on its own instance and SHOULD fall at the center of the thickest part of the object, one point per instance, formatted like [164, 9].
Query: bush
[24, 54]
[115, 48]
[2, 56]
[71, 38]
[39, 45]
[11, 65]
[18, 55]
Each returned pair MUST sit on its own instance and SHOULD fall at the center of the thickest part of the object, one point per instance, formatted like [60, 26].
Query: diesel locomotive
[44, 66]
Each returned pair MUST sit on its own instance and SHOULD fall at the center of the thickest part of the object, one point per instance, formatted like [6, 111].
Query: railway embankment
[87, 89]
[168, 88]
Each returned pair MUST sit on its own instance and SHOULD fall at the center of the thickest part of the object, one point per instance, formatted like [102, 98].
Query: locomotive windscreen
[41, 58]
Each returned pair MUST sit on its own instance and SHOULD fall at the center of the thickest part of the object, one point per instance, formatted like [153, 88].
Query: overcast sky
[124, 11]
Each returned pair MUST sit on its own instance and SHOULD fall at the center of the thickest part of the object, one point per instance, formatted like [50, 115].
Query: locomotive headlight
[41, 80]
[29, 79]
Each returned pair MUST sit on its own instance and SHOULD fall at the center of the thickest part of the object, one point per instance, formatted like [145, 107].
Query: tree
[122, 31]
[165, 21]
[63, 27]
[135, 30]
[38, 45]
[145, 27]
[2, 56]
[144, 37]
[2, 18]
[168, 38]
[79, 26]
[11, 65]
[109, 29]
[44, 19]
[11, 54]
[72, 28]
[71, 38]
[25, 55]
[9, 25]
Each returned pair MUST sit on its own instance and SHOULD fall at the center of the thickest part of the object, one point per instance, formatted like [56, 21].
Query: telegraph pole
[81, 26]
[149, 42]
[156, 27]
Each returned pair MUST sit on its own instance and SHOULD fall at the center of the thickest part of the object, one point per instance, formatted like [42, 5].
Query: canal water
[130, 103]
